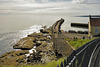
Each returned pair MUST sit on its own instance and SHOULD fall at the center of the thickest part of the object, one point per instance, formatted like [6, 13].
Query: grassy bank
[51, 64]
[78, 42]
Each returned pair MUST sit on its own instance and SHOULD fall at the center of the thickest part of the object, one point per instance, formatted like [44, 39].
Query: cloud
[87, 1]
[12, 2]
[46, 1]
[41, 6]
[30, 1]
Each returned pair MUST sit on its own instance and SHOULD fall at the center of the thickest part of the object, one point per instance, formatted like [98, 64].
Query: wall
[95, 30]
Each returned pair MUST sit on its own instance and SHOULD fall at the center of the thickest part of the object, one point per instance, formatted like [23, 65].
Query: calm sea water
[15, 26]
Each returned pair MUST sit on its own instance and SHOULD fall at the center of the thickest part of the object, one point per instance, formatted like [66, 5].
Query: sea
[19, 20]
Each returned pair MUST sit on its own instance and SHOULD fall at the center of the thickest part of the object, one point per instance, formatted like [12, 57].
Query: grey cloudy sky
[43, 1]
[35, 6]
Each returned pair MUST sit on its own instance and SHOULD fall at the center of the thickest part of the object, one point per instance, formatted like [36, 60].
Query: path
[58, 38]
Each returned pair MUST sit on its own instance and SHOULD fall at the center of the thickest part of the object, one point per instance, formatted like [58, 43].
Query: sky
[45, 1]
[35, 6]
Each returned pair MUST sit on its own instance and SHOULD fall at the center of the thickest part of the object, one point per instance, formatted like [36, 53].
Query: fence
[82, 56]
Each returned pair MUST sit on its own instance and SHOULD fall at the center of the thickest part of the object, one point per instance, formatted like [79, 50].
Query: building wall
[95, 30]
[95, 21]
[89, 26]
[94, 26]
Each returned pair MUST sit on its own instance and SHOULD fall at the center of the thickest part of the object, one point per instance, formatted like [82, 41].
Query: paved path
[60, 45]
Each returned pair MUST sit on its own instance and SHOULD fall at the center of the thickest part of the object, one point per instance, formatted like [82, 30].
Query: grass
[78, 42]
[51, 64]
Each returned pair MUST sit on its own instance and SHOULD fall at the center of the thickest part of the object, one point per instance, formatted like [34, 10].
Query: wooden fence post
[74, 53]
[70, 58]
[67, 60]
[62, 64]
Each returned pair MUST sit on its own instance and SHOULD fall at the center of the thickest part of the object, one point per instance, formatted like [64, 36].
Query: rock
[38, 43]
[25, 43]
[42, 39]
[45, 31]
[50, 34]
[47, 58]
[35, 35]
[6, 54]
[42, 46]
[34, 58]
[20, 52]
[45, 35]
[14, 53]
[45, 48]
[44, 27]
[13, 58]
[62, 31]
[48, 38]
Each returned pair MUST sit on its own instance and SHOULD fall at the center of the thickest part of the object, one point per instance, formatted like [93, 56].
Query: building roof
[95, 22]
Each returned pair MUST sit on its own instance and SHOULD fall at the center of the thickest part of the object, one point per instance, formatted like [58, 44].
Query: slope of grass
[77, 43]
[51, 64]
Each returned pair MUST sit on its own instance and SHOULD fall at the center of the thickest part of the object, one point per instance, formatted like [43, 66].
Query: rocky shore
[47, 45]
[35, 48]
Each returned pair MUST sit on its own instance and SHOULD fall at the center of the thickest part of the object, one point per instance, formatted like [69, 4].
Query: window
[96, 29]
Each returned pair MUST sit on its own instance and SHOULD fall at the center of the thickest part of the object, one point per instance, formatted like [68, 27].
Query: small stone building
[94, 26]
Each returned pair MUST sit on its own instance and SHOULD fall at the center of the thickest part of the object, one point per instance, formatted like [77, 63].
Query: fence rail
[82, 56]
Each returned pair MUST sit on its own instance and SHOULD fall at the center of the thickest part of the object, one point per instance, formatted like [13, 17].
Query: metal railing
[82, 56]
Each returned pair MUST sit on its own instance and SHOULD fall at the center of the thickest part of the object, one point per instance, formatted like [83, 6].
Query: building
[94, 26]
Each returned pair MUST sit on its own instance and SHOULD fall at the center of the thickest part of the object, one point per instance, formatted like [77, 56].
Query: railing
[82, 56]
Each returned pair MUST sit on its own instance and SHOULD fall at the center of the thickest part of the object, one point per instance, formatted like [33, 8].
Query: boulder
[34, 58]
[41, 47]
[38, 43]
[35, 35]
[45, 35]
[48, 38]
[42, 39]
[45, 31]
[44, 27]
[25, 43]
[45, 46]
[47, 56]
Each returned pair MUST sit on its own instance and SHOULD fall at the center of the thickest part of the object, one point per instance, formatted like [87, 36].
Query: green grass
[50, 64]
[78, 43]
